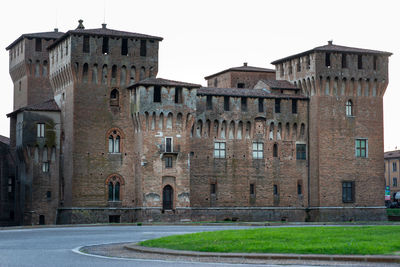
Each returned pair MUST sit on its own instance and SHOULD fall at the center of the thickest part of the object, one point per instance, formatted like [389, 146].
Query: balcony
[169, 149]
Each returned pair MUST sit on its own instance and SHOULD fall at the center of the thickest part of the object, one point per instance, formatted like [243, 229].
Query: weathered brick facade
[253, 145]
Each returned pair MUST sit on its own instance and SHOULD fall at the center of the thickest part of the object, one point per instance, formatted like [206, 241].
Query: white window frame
[40, 130]
[305, 151]
[172, 144]
[257, 152]
[349, 108]
[219, 152]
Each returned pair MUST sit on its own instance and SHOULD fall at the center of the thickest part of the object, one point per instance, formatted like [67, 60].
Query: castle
[97, 137]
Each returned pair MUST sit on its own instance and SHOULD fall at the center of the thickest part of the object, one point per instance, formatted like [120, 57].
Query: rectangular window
[240, 85]
[213, 188]
[38, 45]
[40, 130]
[361, 148]
[260, 105]
[10, 189]
[143, 48]
[308, 62]
[394, 182]
[348, 190]
[298, 65]
[157, 94]
[226, 103]
[45, 167]
[258, 150]
[282, 71]
[104, 48]
[243, 102]
[209, 102]
[294, 106]
[301, 151]
[375, 62]
[168, 144]
[168, 162]
[124, 47]
[277, 105]
[252, 190]
[344, 61]
[178, 95]
[48, 195]
[299, 188]
[394, 166]
[359, 62]
[219, 150]
[275, 190]
[86, 44]
[328, 59]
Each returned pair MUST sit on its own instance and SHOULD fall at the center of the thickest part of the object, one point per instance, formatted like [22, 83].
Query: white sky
[207, 36]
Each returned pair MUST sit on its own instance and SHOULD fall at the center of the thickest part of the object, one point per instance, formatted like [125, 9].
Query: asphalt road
[54, 246]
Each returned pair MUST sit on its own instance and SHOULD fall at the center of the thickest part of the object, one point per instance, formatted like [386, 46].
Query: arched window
[114, 98]
[349, 108]
[104, 75]
[275, 150]
[113, 184]
[37, 68]
[133, 75]
[85, 72]
[114, 142]
[142, 73]
[123, 75]
[94, 74]
[113, 74]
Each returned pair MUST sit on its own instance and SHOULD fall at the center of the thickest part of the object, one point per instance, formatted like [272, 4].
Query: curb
[266, 256]
[202, 224]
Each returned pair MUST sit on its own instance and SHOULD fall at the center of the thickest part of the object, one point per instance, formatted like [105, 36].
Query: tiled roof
[334, 48]
[44, 35]
[392, 154]
[4, 140]
[280, 84]
[241, 92]
[49, 105]
[243, 68]
[105, 32]
[164, 82]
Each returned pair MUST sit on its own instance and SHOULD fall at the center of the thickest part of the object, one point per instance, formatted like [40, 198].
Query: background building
[392, 172]
[98, 137]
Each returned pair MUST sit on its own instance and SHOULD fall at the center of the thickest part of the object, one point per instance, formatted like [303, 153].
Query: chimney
[80, 26]
[55, 29]
[245, 64]
[330, 42]
[104, 26]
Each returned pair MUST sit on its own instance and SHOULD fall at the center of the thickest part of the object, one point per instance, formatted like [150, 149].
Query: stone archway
[168, 196]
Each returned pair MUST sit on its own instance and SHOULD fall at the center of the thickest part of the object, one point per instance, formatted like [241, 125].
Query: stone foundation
[240, 214]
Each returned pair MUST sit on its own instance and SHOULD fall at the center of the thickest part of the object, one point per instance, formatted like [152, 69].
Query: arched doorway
[168, 194]
[41, 220]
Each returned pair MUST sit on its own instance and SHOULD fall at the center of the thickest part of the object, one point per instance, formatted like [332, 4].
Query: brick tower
[89, 71]
[346, 87]
[34, 130]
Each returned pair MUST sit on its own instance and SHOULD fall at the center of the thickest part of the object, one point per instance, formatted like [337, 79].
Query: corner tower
[29, 67]
[89, 71]
[346, 87]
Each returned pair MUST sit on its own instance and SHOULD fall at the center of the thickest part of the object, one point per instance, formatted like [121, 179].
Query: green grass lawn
[363, 240]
